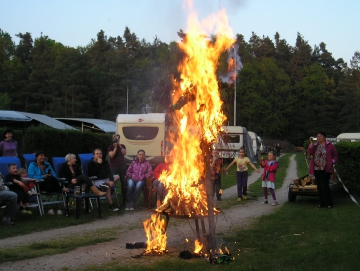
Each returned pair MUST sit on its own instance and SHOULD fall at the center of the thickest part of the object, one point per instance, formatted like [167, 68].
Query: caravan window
[140, 133]
[229, 138]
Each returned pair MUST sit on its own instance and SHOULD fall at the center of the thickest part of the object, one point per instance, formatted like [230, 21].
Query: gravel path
[178, 229]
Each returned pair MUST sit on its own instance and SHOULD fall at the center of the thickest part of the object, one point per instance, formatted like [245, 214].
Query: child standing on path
[268, 178]
[242, 173]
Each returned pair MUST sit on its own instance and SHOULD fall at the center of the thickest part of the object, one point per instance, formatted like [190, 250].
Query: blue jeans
[161, 190]
[10, 199]
[134, 189]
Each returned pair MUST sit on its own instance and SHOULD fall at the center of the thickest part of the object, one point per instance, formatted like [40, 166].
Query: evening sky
[75, 22]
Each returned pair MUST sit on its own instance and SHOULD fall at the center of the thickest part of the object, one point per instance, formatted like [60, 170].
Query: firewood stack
[304, 183]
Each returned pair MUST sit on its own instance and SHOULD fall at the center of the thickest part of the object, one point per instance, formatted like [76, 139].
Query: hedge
[56, 142]
[348, 164]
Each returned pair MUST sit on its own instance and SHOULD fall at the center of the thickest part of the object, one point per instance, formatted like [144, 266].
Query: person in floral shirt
[323, 157]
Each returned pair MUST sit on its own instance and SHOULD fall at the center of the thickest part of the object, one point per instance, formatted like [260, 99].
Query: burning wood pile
[220, 257]
[180, 206]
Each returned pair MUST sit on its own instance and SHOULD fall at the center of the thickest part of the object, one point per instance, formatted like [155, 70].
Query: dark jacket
[101, 171]
[66, 173]
[10, 179]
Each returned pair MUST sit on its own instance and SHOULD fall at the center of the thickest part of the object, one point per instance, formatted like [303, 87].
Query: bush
[56, 142]
[348, 164]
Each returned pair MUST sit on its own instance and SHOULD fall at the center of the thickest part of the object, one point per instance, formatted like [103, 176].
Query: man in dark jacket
[100, 168]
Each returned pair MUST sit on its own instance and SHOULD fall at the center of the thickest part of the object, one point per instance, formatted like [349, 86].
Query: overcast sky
[75, 22]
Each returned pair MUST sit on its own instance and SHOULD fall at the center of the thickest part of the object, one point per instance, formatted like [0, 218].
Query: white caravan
[353, 137]
[232, 140]
[255, 144]
[143, 131]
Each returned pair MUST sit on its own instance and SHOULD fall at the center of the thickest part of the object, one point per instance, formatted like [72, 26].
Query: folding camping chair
[57, 162]
[29, 157]
[47, 198]
[36, 199]
[85, 158]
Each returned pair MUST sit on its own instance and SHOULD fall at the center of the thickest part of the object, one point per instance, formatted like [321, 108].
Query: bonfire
[197, 112]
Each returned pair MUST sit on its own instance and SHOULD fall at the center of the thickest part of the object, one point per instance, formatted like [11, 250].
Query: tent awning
[82, 124]
[13, 116]
[48, 121]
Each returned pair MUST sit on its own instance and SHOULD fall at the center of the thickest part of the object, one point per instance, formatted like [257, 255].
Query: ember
[197, 113]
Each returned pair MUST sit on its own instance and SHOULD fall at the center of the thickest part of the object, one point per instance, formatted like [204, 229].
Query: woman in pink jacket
[324, 156]
[270, 167]
[137, 173]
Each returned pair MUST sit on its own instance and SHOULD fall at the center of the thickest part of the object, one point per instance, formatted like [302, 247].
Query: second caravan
[229, 143]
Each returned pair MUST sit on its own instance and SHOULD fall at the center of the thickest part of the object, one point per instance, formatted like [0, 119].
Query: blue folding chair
[29, 157]
[85, 158]
[4, 162]
[48, 197]
[57, 162]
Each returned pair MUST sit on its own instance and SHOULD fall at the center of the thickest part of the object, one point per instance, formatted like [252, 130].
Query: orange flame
[198, 120]
[155, 229]
[198, 246]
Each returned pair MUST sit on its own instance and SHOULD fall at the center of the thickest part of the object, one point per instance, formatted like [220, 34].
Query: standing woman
[8, 147]
[324, 156]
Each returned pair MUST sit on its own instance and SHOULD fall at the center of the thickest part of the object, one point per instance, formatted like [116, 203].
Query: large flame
[197, 114]
[198, 246]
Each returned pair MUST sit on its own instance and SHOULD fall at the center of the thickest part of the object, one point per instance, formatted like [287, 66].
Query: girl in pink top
[270, 167]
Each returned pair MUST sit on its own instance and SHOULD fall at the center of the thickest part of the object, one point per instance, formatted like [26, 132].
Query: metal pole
[235, 66]
[127, 100]
[209, 193]
[235, 104]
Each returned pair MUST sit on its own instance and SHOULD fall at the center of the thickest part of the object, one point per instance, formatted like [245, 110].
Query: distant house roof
[95, 125]
[13, 116]
[46, 120]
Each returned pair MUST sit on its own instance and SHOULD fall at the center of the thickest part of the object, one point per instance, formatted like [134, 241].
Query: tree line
[283, 91]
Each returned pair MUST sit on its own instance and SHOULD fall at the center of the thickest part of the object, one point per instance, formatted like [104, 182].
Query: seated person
[137, 173]
[157, 184]
[18, 187]
[72, 173]
[29, 186]
[9, 198]
[100, 168]
[40, 169]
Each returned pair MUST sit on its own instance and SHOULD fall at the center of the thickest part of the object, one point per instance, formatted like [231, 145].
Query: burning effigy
[197, 112]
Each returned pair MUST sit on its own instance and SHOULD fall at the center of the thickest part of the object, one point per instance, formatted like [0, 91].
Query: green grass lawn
[297, 236]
